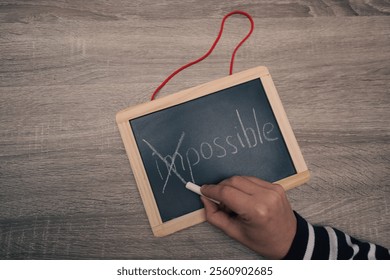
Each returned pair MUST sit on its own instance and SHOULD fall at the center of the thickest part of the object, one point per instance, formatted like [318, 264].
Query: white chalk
[196, 189]
[193, 187]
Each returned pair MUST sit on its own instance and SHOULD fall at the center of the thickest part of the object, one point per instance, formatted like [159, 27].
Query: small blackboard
[233, 126]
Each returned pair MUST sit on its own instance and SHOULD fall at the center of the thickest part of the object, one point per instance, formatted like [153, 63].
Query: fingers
[234, 199]
[264, 220]
[220, 219]
[235, 192]
[241, 183]
[267, 185]
[240, 195]
[210, 206]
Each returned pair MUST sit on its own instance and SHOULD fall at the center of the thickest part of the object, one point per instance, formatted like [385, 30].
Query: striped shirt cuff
[298, 247]
[326, 243]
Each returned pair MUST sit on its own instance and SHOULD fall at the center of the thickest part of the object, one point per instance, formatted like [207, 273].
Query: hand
[262, 220]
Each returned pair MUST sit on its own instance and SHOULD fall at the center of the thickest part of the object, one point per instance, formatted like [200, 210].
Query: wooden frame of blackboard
[123, 117]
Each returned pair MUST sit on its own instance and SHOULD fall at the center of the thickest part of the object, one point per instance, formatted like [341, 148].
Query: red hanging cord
[210, 50]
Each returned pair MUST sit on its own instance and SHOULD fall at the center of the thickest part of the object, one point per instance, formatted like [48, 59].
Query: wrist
[288, 238]
[298, 244]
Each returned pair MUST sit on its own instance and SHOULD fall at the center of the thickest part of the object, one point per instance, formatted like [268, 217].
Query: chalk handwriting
[184, 159]
[164, 160]
[173, 159]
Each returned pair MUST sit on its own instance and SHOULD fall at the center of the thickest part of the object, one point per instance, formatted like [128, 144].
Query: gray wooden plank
[17, 11]
[67, 190]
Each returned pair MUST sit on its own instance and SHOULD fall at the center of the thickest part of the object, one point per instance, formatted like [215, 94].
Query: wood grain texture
[67, 190]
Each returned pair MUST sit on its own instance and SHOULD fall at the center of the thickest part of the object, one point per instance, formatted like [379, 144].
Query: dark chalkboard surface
[230, 132]
[209, 137]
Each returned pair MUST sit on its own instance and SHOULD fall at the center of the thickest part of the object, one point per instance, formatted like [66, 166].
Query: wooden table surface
[66, 187]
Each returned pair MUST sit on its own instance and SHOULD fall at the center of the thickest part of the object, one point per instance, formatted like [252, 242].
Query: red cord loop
[210, 50]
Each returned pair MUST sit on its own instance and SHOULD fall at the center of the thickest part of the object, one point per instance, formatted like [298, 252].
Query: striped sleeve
[327, 243]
